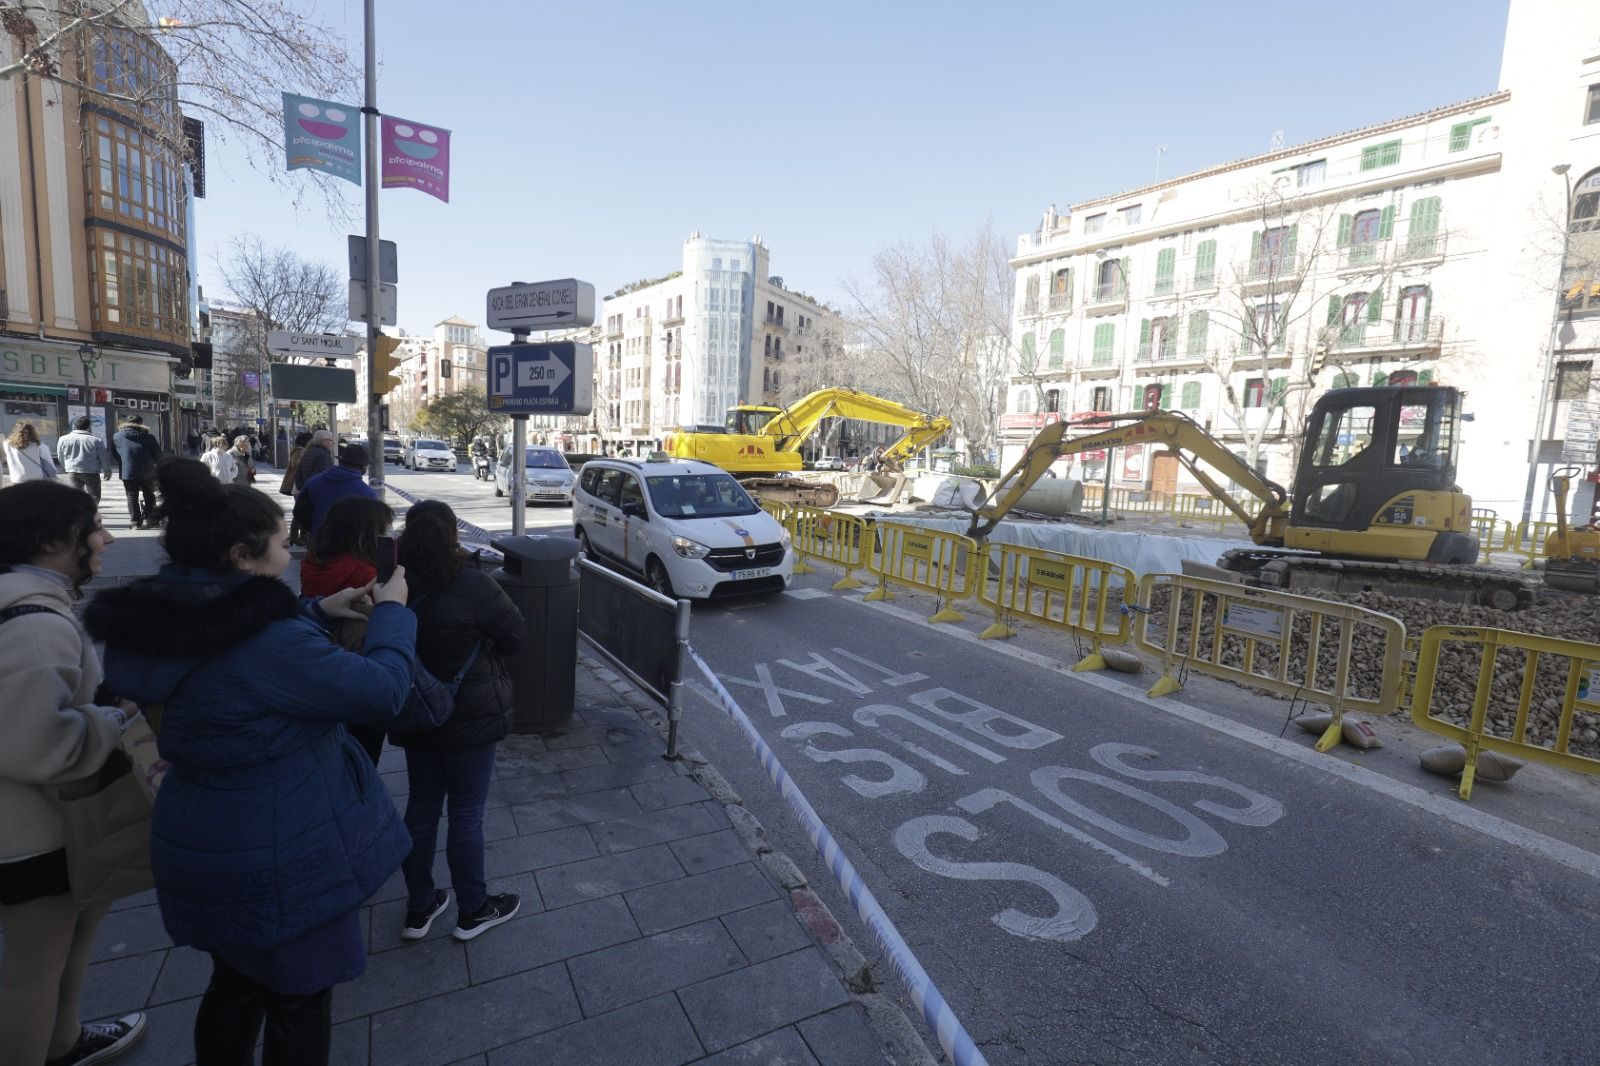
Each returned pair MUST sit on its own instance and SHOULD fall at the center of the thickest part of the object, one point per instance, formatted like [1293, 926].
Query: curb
[898, 1038]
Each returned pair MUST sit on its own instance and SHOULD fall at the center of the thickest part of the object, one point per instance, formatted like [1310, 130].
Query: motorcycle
[480, 467]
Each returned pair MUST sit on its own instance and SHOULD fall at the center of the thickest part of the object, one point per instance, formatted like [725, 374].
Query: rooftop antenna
[1161, 150]
[1277, 141]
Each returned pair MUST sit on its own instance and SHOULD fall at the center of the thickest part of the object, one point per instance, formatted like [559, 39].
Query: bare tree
[233, 59]
[940, 316]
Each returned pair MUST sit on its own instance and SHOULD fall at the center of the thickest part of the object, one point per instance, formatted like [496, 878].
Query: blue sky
[590, 139]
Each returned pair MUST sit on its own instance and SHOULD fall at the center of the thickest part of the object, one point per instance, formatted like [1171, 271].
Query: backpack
[431, 702]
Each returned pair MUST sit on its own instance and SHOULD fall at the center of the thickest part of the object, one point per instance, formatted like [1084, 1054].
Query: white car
[546, 476]
[425, 454]
[686, 526]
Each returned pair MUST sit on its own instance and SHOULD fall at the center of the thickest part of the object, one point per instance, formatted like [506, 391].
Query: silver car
[546, 476]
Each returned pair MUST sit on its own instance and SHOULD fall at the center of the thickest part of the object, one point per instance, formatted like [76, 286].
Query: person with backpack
[271, 829]
[56, 730]
[26, 458]
[466, 626]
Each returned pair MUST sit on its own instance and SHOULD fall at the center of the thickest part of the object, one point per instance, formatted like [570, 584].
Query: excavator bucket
[884, 489]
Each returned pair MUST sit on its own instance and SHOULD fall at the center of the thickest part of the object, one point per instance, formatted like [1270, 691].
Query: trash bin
[540, 575]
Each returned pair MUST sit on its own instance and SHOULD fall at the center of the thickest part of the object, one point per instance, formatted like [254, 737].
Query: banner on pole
[319, 135]
[415, 157]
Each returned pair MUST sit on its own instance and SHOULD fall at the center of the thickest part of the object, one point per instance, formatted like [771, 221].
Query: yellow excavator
[1374, 506]
[760, 443]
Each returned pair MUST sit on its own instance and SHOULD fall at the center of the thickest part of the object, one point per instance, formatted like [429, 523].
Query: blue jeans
[462, 775]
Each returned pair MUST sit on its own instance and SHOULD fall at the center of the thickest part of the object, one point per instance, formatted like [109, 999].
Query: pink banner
[415, 157]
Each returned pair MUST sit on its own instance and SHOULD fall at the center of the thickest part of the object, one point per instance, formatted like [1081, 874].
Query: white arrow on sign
[545, 372]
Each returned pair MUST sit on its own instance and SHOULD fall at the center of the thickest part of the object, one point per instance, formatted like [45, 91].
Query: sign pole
[517, 475]
[369, 114]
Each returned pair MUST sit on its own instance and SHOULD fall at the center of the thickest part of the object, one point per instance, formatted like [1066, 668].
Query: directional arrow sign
[325, 345]
[541, 305]
[550, 379]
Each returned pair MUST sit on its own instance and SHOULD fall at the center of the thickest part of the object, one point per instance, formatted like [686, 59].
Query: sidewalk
[650, 931]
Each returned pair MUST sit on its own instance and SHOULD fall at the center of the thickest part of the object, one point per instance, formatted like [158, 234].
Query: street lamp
[1560, 170]
[1100, 255]
[89, 357]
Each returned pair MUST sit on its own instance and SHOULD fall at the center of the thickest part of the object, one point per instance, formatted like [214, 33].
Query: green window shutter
[1335, 309]
[1166, 396]
[1191, 396]
[1030, 358]
[1144, 339]
[1289, 246]
[1460, 136]
[1386, 223]
[1425, 377]
[1255, 250]
[1058, 348]
[1380, 378]
[1375, 305]
[1278, 388]
[1369, 157]
[1199, 321]
[1389, 155]
[1347, 229]
[1125, 276]
[1425, 217]
[1344, 381]
[1166, 260]
[1205, 264]
[1104, 340]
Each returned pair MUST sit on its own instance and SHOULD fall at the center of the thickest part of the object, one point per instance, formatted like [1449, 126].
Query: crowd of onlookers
[271, 826]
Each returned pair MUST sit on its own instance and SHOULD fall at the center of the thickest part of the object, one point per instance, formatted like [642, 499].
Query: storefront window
[143, 287]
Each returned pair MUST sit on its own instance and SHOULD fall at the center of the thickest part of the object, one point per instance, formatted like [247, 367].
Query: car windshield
[698, 496]
[544, 460]
[432, 445]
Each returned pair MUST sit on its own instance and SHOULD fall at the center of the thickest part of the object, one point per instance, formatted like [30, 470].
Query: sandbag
[1122, 661]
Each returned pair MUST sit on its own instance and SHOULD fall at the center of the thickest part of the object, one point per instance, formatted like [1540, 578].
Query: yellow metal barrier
[1061, 591]
[1580, 674]
[1295, 646]
[944, 564]
[1530, 538]
[1493, 534]
[843, 540]
[1199, 507]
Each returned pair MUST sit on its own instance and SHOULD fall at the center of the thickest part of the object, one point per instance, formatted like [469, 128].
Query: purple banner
[415, 157]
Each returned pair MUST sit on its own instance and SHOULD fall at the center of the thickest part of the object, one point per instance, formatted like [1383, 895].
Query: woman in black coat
[464, 621]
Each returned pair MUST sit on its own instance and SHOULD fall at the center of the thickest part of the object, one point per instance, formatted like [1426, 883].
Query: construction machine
[759, 445]
[1374, 507]
[1572, 556]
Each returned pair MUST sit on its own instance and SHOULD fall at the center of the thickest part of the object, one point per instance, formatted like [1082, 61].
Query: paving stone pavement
[649, 932]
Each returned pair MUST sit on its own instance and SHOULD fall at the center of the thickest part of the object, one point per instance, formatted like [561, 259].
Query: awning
[31, 389]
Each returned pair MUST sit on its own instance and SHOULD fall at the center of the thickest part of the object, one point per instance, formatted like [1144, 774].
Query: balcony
[1160, 363]
[613, 328]
[1404, 335]
[1101, 366]
[673, 317]
[1364, 256]
[1273, 273]
[772, 322]
[1059, 302]
[1105, 300]
[1421, 247]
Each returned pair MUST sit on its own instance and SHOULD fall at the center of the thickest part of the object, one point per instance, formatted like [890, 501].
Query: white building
[1425, 249]
[454, 359]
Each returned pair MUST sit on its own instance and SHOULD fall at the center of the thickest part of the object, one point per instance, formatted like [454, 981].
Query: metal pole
[369, 113]
[1549, 360]
[675, 691]
[517, 474]
[1105, 490]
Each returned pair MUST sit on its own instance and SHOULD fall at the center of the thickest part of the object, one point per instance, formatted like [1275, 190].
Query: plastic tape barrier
[1448, 649]
[929, 560]
[1296, 646]
[935, 1011]
[841, 540]
[470, 534]
[1085, 597]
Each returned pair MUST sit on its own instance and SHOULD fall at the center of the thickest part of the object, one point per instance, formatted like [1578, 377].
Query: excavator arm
[791, 427]
[1199, 452]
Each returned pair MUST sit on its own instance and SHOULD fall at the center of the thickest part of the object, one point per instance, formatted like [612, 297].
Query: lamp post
[1100, 254]
[1560, 169]
[90, 357]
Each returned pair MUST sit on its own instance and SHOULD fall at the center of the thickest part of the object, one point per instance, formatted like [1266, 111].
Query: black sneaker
[495, 909]
[419, 922]
[103, 1041]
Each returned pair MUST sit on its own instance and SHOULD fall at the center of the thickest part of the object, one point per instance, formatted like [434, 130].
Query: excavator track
[1491, 586]
[792, 490]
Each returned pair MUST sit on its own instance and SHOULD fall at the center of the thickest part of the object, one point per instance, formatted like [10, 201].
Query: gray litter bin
[540, 575]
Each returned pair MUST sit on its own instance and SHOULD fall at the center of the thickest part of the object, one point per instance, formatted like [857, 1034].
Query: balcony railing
[1267, 266]
[1420, 246]
[1060, 301]
[1361, 255]
[773, 322]
[1406, 333]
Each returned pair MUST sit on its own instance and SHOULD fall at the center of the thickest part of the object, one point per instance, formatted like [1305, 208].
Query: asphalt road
[1090, 879]
[474, 500]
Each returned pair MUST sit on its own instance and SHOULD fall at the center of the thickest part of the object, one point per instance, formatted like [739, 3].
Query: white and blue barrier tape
[471, 534]
[935, 1011]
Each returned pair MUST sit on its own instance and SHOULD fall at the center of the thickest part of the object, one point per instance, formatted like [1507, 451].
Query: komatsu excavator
[760, 443]
[1374, 505]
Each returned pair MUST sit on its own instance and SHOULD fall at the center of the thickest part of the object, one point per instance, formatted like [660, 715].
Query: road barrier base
[1166, 686]
[846, 582]
[1093, 661]
[997, 630]
[803, 567]
[879, 594]
[946, 614]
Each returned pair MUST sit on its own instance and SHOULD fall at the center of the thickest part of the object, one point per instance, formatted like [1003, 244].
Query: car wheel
[584, 545]
[656, 573]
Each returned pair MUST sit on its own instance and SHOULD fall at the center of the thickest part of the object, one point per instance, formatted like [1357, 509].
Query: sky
[589, 140]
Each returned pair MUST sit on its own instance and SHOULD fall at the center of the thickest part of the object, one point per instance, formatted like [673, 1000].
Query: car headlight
[689, 549]
[784, 538]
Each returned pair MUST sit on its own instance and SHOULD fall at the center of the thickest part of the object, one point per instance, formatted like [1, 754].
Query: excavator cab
[1376, 477]
[751, 419]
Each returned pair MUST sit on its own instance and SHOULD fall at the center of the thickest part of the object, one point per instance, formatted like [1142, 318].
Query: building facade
[95, 234]
[1389, 254]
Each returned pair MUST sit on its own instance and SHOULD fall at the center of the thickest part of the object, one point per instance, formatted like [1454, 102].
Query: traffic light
[384, 364]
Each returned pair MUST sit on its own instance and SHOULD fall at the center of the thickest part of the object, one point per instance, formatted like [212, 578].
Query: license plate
[746, 575]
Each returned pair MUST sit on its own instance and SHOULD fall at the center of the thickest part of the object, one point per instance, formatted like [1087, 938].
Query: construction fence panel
[1529, 540]
[831, 537]
[1494, 535]
[1194, 508]
[1084, 597]
[778, 509]
[1299, 647]
[946, 565]
[1510, 669]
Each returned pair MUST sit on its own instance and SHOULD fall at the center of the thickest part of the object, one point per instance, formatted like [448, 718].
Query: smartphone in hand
[387, 554]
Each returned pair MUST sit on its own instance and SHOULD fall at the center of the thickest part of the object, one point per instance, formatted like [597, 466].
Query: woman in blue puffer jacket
[272, 827]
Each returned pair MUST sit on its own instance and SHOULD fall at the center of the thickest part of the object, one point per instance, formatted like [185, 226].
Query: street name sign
[541, 305]
[551, 379]
[322, 345]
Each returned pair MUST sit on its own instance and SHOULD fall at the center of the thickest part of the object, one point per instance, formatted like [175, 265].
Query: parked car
[427, 454]
[393, 450]
[685, 526]
[829, 462]
[546, 476]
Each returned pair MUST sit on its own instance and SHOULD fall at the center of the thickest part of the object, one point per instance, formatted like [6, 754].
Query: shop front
[42, 382]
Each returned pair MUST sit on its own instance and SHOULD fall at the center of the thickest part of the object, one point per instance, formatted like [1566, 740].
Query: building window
[1591, 111]
[1403, 378]
[1255, 393]
[1058, 348]
[1266, 328]
[1094, 223]
[1061, 290]
[1030, 296]
[1205, 264]
[1572, 381]
[1189, 397]
[1110, 279]
[1272, 252]
[1360, 233]
[766, 347]
[1311, 173]
[1461, 135]
[1345, 380]
[1101, 401]
[1025, 402]
[1411, 314]
[1105, 335]
[1153, 339]
[1131, 215]
[1199, 323]
[1166, 263]
[1422, 230]
[444, 368]
[1052, 400]
[1374, 156]
[140, 286]
[1030, 355]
